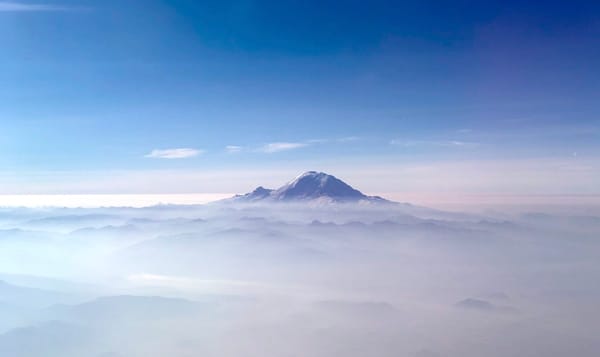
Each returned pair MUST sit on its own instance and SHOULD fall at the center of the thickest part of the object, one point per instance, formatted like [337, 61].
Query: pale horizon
[453, 202]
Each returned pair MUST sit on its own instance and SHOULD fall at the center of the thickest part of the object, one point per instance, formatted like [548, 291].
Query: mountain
[310, 186]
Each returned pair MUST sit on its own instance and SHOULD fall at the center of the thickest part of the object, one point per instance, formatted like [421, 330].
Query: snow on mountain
[310, 186]
[258, 194]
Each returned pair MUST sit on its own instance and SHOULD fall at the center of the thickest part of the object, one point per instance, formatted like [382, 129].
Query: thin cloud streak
[284, 146]
[12, 6]
[348, 139]
[179, 153]
[281, 146]
[438, 143]
[232, 149]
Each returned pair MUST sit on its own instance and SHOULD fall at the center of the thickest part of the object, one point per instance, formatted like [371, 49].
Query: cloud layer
[179, 153]
[225, 280]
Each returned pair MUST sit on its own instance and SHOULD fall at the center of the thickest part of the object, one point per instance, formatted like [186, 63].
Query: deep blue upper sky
[98, 85]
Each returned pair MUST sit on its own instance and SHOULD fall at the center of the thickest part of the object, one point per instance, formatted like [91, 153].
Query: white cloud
[281, 146]
[13, 6]
[232, 149]
[440, 143]
[348, 139]
[284, 146]
[317, 141]
[180, 153]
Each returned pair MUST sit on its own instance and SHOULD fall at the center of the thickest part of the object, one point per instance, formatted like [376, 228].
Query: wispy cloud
[437, 143]
[348, 139]
[15, 6]
[180, 153]
[286, 146]
[317, 141]
[282, 146]
[232, 149]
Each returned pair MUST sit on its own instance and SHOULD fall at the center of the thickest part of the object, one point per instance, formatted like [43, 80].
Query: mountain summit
[310, 186]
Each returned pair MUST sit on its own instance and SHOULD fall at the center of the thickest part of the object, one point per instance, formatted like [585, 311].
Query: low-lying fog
[284, 280]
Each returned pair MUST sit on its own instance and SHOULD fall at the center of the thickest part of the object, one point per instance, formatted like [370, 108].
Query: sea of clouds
[297, 280]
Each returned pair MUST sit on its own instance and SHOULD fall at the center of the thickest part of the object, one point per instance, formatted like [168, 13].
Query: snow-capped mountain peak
[310, 186]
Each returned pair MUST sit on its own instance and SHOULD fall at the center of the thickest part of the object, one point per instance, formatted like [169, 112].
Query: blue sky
[215, 96]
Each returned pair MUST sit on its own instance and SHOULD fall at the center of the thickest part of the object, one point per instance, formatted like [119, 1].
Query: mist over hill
[315, 268]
